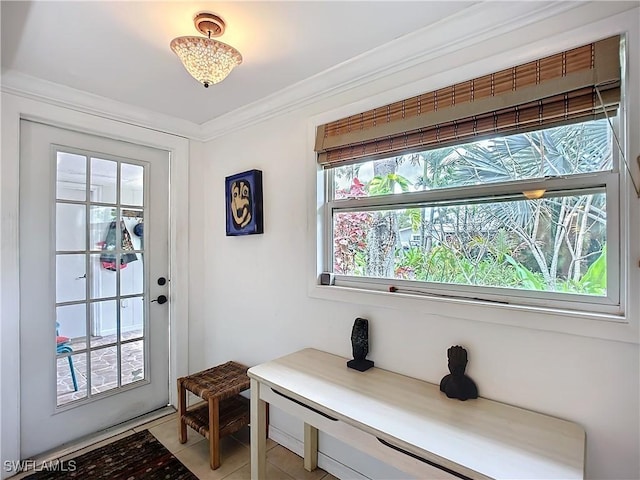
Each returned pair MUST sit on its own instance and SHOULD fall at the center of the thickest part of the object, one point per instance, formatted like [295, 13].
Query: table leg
[258, 433]
[310, 447]
[182, 409]
[266, 422]
[214, 433]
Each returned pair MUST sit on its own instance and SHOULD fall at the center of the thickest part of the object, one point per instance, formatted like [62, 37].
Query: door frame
[14, 109]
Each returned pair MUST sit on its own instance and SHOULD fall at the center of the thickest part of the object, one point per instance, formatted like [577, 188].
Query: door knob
[161, 299]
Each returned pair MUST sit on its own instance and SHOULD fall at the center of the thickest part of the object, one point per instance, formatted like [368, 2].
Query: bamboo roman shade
[561, 88]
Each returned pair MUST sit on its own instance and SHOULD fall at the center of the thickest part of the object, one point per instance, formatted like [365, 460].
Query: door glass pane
[72, 377]
[104, 369]
[104, 323]
[71, 365]
[103, 281]
[131, 274]
[134, 220]
[101, 219]
[71, 176]
[132, 318]
[103, 180]
[70, 227]
[131, 184]
[71, 325]
[132, 362]
[71, 278]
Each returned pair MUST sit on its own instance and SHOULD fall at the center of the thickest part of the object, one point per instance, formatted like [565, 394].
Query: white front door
[94, 257]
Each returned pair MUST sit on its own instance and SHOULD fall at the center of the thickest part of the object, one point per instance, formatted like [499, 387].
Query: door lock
[161, 299]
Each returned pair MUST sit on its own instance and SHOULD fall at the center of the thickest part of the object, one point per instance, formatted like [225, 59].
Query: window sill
[602, 326]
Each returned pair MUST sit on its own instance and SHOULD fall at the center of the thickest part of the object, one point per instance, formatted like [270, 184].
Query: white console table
[409, 423]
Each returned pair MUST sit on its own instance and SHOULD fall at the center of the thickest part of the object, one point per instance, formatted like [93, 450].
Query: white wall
[252, 298]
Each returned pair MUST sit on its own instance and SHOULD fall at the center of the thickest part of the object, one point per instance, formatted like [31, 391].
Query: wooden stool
[224, 413]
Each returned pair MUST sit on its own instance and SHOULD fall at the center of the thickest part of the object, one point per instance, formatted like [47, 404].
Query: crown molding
[20, 84]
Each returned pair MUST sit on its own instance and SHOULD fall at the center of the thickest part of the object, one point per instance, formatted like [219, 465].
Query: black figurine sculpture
[457, 384]
[360, 345]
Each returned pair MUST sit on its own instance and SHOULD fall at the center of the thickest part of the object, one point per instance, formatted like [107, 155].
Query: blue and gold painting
[243, 193]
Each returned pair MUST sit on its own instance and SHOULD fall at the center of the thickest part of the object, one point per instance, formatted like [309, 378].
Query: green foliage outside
[548, 244]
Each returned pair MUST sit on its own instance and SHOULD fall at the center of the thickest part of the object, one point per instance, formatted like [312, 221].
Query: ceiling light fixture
[208, 61]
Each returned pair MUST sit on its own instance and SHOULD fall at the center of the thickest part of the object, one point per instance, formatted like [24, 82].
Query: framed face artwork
[243, 196]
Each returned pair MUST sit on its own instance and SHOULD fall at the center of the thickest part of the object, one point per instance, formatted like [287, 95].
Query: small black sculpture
[360, 345]
[457, 384]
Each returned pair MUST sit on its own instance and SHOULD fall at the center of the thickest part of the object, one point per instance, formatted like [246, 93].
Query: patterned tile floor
[104, 366]
[282, 464]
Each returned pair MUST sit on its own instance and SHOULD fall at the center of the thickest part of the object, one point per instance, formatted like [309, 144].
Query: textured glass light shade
[207, 60]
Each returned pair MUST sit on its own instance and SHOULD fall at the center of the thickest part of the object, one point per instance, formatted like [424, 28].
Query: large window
[517, 213]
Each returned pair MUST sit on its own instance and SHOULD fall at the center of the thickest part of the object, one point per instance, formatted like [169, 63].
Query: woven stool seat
[222, 381]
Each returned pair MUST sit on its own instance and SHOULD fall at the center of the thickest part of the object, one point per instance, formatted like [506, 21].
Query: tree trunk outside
[382, 235]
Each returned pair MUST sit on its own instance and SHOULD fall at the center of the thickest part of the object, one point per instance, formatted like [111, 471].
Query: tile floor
[282, 464]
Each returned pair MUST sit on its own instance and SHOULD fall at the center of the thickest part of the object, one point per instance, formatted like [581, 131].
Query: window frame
[612, 306]
[471, 317]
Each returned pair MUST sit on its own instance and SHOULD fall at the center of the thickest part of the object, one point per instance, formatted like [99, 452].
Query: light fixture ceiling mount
[208, 61]
[209, 24]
